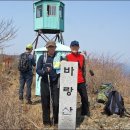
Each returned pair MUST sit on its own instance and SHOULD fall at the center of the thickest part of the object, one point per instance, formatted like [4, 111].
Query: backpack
[115, 104]
[103, 92]
[24, 62]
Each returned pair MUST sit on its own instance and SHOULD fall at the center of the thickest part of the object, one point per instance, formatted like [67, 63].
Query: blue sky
[101, 27]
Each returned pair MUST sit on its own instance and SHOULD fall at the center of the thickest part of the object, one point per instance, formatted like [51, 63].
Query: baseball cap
[74, 43]
[50, 43]
[29, 46]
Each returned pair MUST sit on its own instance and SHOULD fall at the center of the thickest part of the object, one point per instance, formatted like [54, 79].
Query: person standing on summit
[49, 84]
[76, 56]
[25, 67]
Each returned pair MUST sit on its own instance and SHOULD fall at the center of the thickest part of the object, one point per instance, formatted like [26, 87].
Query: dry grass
[8, 111]
[13, 115]
[11, 110]
[108, 69]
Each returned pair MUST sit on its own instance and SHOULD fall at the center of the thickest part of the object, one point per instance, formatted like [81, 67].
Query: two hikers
[25, 66]
[50, 73]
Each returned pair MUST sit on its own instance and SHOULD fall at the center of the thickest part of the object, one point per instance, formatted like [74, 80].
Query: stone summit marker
[68, 95]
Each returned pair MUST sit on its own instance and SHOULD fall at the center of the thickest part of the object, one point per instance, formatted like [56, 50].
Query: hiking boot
[85, 117]
[81, 118]
[55, 122]
[29, 102]
[55, 126]
[88, 114]
[20, 98]
[47, 125]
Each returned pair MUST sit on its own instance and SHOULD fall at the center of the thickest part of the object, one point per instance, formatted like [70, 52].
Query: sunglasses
[51, 47]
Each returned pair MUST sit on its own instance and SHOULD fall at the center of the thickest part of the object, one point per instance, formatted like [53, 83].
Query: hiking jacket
[57, 61]
[42, 66]
[81, 65]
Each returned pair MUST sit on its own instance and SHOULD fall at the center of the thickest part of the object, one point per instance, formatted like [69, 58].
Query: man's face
[74, 49]
[51, 49]
[31, 50]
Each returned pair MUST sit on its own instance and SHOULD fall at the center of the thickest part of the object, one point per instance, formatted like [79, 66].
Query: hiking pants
[25, 78]
[84, 98]
[45, 99]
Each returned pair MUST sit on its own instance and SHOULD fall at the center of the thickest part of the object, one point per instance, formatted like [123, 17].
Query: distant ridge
[126, 68]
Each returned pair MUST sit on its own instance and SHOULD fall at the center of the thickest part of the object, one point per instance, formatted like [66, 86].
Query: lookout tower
[49, 19]
[49, 16]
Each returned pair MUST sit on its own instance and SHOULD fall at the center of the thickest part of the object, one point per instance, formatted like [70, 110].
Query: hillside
[15, 115]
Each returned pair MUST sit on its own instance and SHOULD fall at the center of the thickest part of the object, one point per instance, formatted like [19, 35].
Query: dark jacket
[31, 63]
[42, 68]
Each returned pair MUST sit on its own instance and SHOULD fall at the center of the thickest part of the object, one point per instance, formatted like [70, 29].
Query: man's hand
[48, 69]
[91, 72]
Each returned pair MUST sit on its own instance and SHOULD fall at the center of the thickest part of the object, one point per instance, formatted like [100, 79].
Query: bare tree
[7, 31]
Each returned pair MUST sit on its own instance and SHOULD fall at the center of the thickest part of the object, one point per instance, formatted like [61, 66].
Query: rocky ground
[98, 120]
[17, 115]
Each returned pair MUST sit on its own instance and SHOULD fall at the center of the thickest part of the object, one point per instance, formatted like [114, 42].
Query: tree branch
[7, 31]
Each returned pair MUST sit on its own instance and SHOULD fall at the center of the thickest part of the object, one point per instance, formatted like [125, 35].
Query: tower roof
[60, 47]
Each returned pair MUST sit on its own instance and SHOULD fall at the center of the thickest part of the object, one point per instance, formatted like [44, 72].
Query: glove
[91, 72]
[48, 69]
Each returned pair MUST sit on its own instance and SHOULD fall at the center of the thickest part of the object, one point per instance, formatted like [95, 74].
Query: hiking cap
[74, 43]
[29, 46]
[50, 43]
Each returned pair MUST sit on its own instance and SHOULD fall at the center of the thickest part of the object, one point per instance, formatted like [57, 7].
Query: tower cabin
[48, 16]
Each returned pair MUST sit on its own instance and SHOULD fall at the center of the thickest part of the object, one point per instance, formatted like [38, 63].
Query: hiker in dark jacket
[44, 69]
[75, 56]
[26, 74]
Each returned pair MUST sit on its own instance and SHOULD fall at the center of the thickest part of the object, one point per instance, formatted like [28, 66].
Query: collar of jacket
[75, 54]
[52, 55]
[27, 52]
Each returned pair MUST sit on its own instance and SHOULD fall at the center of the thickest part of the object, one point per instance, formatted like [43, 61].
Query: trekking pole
[94, 85]
[51, 103]
[90, 72]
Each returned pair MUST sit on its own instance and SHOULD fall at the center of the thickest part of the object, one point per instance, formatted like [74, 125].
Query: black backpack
[24, 62]
[115, 104]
